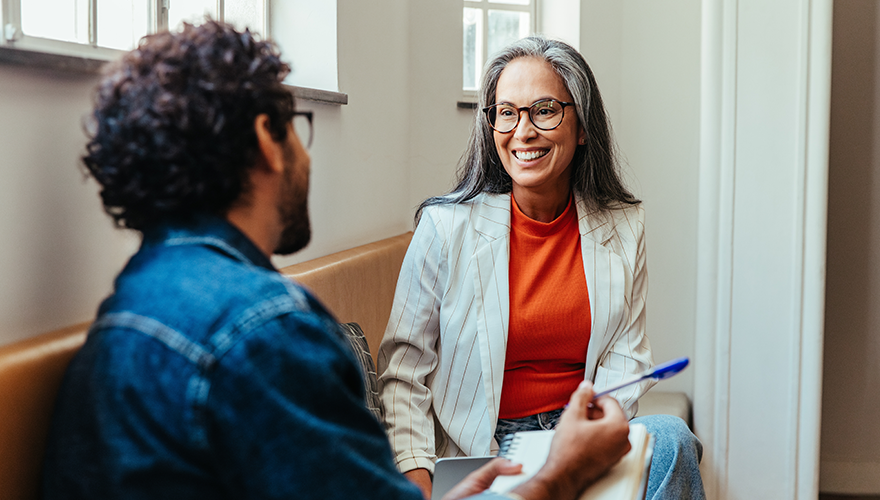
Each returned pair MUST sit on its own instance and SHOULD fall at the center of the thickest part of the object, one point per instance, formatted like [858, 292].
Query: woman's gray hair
[595, 173]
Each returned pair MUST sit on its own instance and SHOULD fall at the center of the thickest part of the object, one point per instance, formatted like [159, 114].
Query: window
[489, 25]
[101, 28]
[306, 32]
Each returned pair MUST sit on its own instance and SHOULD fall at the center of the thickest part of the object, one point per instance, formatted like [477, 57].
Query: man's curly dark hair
[172, 134]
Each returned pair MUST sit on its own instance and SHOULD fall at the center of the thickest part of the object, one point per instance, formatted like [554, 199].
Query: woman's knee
[672, 431]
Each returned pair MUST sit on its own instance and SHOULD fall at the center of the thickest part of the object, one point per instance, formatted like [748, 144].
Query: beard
[294, 211]
[297, 230]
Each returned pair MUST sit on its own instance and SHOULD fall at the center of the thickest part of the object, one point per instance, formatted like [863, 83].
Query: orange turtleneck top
[549, 327]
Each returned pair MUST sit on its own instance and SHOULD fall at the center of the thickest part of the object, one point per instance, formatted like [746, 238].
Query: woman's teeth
[530, 155]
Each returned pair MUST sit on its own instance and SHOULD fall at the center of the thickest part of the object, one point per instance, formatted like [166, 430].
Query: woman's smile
[527, 155]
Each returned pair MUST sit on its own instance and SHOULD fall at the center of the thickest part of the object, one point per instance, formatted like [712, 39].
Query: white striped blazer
[441, 362]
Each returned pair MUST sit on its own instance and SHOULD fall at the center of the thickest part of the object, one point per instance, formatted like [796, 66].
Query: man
[207, 374]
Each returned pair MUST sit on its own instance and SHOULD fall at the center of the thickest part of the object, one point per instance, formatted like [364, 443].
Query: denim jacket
[207, 374]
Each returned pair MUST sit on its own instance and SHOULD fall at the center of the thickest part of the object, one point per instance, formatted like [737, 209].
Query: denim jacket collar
[210, 231]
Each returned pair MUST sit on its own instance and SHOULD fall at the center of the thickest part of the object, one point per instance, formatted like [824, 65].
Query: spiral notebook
[627, 480]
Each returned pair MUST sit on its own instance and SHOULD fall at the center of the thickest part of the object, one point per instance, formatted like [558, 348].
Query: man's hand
[587, 443]
[479, 480]
[422, 479]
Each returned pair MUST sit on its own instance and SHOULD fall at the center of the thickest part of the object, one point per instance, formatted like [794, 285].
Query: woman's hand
[479, 480]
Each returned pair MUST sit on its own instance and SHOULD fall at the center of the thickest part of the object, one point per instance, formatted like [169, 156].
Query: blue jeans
[675, 467]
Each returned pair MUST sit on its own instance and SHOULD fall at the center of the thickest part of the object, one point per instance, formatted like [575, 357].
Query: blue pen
[659, 372]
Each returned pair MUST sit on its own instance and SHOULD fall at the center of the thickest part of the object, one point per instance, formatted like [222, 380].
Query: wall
[438, 128]
[397, 70]
[850, 440]
[360, 157]
[649, 76]
[59, 252]
[658, 130]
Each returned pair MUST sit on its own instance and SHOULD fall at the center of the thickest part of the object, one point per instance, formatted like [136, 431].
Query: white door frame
[760, 311]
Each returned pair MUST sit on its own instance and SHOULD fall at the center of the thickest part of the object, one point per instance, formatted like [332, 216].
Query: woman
[524, 280]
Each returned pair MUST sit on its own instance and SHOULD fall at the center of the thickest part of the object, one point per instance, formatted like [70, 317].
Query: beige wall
[59, 253]
[851, 398]
[658, 131]
[438, 128]
[360, 158]
[373, 160]
[646, 58]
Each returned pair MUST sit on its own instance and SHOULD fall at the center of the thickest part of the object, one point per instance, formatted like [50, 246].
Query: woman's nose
[525, 129]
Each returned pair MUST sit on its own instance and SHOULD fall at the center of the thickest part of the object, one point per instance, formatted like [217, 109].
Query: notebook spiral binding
[507, 445]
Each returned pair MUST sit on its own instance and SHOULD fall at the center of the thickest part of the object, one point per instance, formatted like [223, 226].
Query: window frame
[14, 38]
[470, 96]
[17, 49]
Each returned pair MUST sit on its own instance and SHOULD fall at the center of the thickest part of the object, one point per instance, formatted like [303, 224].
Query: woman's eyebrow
[502, 101]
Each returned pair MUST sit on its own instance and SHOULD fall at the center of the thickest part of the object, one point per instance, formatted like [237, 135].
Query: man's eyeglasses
[302, 125]
[545, 114]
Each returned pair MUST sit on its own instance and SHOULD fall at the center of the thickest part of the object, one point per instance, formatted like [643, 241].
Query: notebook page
[529, 448]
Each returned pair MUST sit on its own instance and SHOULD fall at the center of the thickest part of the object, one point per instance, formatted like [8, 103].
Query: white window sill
[90, 65]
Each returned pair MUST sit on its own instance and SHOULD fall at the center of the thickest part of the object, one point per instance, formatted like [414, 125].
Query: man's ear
[271, 152]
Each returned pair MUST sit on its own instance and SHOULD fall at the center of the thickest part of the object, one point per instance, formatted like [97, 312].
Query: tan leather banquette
[356, 284]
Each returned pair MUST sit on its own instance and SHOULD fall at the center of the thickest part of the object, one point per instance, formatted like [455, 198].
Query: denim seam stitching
[225, 338]
[175, 340]
[198, 386]
[256, 315]
[197, 391]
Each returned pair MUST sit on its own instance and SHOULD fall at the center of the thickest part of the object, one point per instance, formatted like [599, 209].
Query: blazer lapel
[492, 297]
[606, 281]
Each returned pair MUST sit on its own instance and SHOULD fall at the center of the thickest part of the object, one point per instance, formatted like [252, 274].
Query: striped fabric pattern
[358, 343]
[441, 362]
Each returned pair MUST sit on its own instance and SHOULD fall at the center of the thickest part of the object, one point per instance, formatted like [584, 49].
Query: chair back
[358, 284]
[31, 371]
